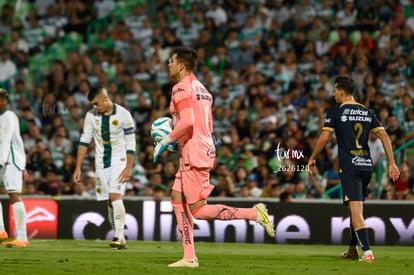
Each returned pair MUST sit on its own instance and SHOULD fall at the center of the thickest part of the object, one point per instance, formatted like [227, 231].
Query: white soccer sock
[20, 220]
[367, 252]
[1, 219]
[111, 216]
[119, 218]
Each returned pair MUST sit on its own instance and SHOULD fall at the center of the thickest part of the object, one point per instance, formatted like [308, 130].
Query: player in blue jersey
[112, 129]
[352, 122]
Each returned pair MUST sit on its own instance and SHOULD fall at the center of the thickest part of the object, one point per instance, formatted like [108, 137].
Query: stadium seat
[355, 36]
[333, 37]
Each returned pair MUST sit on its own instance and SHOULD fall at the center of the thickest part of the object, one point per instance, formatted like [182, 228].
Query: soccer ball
[161, 127]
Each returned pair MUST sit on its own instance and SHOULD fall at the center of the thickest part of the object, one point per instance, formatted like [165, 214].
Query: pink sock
[224, 212]
[185, 227]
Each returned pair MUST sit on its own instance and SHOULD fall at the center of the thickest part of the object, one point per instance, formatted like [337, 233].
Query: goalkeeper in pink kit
[191, 107]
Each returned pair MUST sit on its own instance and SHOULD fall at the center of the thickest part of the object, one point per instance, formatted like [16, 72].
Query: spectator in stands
[269, 185]
[346, 16]
[104, 42]
[217, 14]
[392, 80]
[104, 8]
[366, 43]
[17, 43]
[53, 22]
[225, 187]
[34, 33]
[30, 189]
[135, 20]
[360, 72]
[326, 12]
[253, 185]
[34, 143]
[65, 174]
[187, 32]
[156, 180]
[408, 127]
[8, 69]
[404, 183]
[285, 196]
[376, 150]
[315, 183]
[144, 36]
[79, 16]
[367, 18]
[7, 19]
[159, 192]
[221, 120]
[59, 146]
[241, 57]
[251, 32]
[386, 194]
[395, 131]
[289, 178]
[81, 191]
[398, 19]
[332, 179]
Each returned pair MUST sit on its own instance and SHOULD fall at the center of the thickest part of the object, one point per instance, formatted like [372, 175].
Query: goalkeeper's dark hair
[186, 55]
[346, 84]
[95, 91]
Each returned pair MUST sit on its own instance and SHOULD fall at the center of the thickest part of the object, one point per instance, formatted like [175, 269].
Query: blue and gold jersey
[352, 123]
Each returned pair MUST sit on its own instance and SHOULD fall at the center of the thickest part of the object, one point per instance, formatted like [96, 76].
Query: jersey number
[358, 130]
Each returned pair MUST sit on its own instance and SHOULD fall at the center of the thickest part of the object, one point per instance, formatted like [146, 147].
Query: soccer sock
[185, 227]
[119, 218]
[20, 220]
[224, 212]
[353, 239]
[362, 235]
[1, 219]
[111, 216]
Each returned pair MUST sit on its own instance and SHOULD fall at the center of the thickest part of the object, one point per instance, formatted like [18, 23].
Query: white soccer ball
[160, 128]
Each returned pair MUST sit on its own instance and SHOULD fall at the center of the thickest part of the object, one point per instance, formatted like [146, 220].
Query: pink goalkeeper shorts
[194, 183]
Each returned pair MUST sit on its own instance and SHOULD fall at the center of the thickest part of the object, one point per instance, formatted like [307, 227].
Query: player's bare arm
[127, 172]
[320, 145]
[26, 175]
[82, 150]
[393, 171]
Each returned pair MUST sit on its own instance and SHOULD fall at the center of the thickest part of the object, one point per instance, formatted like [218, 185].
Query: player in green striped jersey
[113, 131]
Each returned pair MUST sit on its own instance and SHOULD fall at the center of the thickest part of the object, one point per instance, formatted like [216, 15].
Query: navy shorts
[355, 185]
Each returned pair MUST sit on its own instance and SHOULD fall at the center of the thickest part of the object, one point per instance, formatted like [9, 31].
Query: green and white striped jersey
[114, 136]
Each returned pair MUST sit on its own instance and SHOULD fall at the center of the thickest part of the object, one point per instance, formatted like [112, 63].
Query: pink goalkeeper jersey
[196, 146]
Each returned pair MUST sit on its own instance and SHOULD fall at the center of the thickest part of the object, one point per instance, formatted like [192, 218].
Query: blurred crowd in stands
[268, 63]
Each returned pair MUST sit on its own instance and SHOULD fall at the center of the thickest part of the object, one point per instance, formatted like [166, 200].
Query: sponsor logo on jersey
[358, 112]
[355, 115]
[358, 161]
[203, 97]
[178, 90]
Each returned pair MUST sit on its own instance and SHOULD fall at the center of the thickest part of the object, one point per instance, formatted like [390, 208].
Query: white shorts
[12, 178]
[106, 182]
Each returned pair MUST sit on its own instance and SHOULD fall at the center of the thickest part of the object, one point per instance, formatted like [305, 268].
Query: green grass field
[95, 257]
